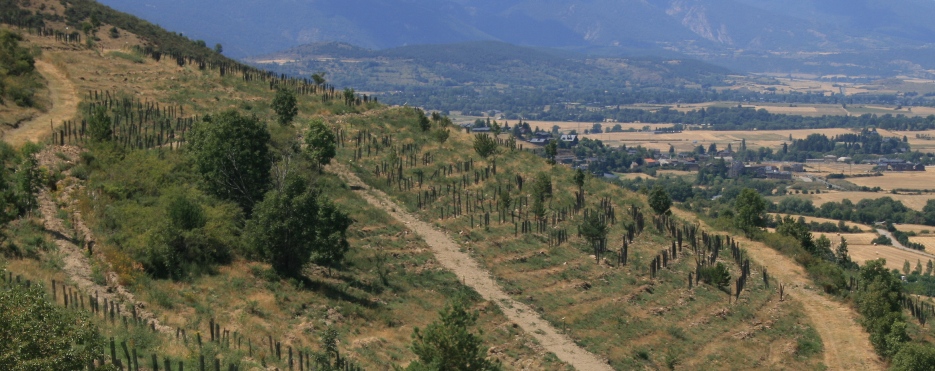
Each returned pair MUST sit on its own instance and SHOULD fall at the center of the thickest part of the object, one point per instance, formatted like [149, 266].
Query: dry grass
[921, 180]
[915, 202]
[895, 257]
[614, 316]
[633, 176]
[809, 219]
[927, 241]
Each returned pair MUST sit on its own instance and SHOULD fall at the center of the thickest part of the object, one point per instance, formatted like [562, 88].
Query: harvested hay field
[917, 228]
[809, 219]
[915, 202]
[687, 175]
[927, 241]
[634, 176]
[689, 139]
[920, 180]
[580, 127]
[895, 257]
[852, 238]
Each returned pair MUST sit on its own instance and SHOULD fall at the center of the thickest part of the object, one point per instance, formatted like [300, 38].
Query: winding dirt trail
[846, 344]
[449, 255]
[77, 265]
[64, 107]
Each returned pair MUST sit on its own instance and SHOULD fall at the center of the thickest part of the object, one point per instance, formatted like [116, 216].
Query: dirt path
[64, 107]
[846, 344]
[77, 265]
[449, 255]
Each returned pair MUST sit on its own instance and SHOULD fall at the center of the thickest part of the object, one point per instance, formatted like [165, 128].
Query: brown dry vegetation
[374, 321]
[912, 201]
[616, 312]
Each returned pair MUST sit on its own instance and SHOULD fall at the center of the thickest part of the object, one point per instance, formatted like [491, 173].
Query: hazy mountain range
[791, 34]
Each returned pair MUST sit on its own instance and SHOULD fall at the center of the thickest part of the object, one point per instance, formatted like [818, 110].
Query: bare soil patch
[64, 107]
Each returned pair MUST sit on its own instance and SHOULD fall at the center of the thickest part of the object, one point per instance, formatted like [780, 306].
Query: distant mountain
[482, 75]
[756, 35]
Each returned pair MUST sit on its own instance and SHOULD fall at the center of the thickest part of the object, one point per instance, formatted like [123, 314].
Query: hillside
[813, 36]
[116, 206]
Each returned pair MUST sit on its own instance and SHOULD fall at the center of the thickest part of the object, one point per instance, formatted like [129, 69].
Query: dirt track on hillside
[64, 107]
[846, 344]
[449, 255]
[77, 265]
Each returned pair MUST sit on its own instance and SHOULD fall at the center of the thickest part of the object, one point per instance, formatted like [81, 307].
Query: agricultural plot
[809, 219]
[914, 180]
[912, 201]
[927, 241]
[862, 250]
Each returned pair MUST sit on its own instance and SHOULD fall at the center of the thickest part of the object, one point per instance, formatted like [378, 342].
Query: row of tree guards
[462, 189]
[125, 356]
[133, 123]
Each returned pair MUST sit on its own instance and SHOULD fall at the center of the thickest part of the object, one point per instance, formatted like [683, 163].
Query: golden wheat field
[927, 241]
[633, 176]
[920, 180]
[895, 257]
[912, 201]
[916, 228]
[809, 219]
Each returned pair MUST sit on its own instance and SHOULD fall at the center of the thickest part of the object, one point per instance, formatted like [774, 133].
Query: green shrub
[717, 275]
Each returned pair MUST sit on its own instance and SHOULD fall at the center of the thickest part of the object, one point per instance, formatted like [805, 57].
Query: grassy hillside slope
[104, 210]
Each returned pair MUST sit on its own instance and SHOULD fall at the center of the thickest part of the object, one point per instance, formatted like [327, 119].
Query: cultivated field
[861, 250]
[927, 241]
[689, 139]
[915, 202]
[920, 180]
[809, 219]
[834, 167]
[633, 176]
[917, 228]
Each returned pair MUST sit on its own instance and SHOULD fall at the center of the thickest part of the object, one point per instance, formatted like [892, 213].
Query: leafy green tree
[99, 125]
[659, 200]
[349, 96]
[749, 208]
[841, 255]
[593, 227]
[285, 106]
[232, 154]
[320, 143]
[15, 60]
[506, 201]
[182, 244]
[441, 135]
[914, 357]
[717, 275]
[579, 179]
[551, 150]
[880, 306]
[318, 78]
[295, 225]
[36, 334]
[448, 343]
[218, 48]
[423, 121]
[485, 145]
[26, 184]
